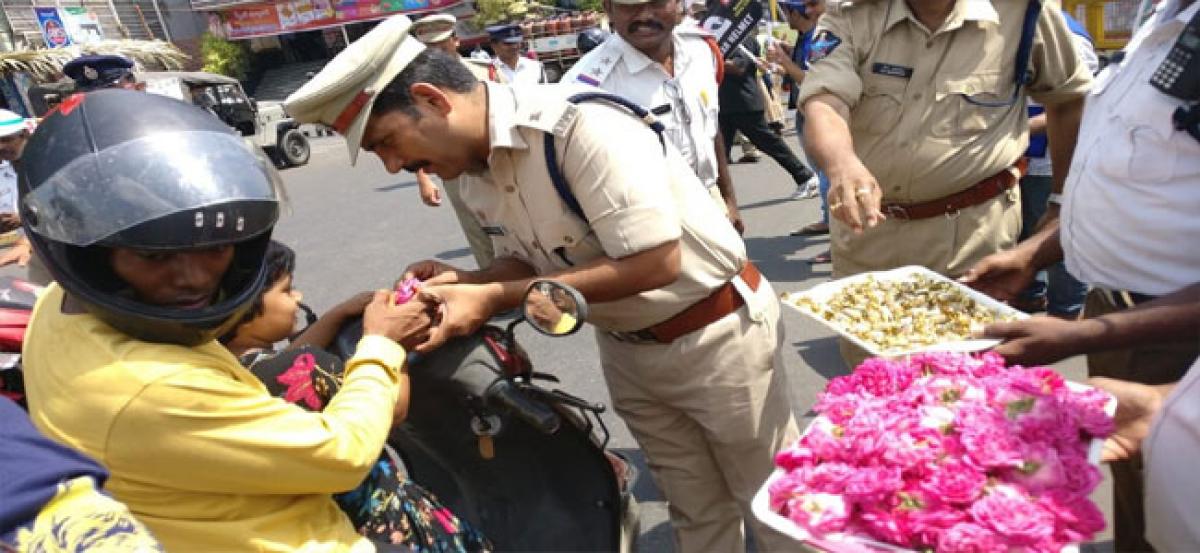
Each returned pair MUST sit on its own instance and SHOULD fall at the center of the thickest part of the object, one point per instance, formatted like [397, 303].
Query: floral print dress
[387, 506]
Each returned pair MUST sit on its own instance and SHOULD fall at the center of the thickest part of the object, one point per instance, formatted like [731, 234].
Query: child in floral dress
[386, 507]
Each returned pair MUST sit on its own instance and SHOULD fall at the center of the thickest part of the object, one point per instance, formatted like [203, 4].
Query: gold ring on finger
[835, 205]
[862, 192]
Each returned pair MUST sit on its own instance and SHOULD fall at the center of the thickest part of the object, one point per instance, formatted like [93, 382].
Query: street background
[358, 228]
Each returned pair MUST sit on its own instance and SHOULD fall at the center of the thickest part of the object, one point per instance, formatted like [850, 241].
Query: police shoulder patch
[823, 44]
[595, 67]
[554, 117]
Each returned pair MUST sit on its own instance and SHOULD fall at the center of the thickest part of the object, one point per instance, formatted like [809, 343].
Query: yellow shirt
[915, 93]
[198, 449]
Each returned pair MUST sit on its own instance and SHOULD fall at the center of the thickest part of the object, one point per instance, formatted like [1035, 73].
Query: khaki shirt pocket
[566, 240]
[878, 111]
[958, 112]
[508, 246]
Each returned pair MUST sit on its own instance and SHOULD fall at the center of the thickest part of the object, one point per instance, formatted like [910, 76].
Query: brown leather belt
[721, 302]
[980, 192]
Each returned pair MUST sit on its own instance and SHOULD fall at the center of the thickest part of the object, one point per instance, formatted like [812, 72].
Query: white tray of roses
[947, 452]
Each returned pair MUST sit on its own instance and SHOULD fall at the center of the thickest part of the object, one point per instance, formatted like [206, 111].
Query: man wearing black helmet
[121, 361]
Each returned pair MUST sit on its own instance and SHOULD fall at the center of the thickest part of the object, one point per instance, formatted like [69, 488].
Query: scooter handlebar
[538, 415]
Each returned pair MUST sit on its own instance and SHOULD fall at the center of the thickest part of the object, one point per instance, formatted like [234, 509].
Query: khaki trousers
[479, 242]
[710, 410]
[1148, 364]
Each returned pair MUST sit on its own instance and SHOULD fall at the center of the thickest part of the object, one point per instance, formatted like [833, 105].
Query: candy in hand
[407, 289]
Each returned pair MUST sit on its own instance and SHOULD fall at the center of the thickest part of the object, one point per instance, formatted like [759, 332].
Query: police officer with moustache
[688, 330]
[673, 69]
[437, 31]
[914, 111]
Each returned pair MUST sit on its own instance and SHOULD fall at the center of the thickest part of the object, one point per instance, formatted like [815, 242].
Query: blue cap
[98, 71]
[509, 32]
[798, 5]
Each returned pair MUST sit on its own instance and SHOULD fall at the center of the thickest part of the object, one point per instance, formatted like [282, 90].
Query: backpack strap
[1025, 47]
[1021, 64]
[560, 181]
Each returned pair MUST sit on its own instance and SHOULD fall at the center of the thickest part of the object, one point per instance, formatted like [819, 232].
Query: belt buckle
[952, 214]
[896, 210]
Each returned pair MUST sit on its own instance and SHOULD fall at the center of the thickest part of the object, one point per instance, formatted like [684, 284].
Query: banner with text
[289, 16]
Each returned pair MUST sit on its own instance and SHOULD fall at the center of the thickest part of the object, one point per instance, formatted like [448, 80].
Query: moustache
[633, 27]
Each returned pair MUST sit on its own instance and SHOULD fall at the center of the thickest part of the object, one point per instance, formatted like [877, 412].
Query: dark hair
[281, 262]
[431, 66]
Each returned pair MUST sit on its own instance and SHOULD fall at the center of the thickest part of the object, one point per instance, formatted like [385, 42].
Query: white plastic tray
[845, 543]
[822, 293]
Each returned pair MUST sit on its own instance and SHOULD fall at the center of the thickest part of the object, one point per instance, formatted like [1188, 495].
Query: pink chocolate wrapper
[406, 290]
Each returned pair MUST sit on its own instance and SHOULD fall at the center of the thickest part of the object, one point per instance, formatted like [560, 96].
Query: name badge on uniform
[892, 70]
[496, 230]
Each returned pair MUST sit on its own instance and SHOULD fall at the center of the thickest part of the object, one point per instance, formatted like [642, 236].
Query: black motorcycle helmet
[118, 168]
[590, 38]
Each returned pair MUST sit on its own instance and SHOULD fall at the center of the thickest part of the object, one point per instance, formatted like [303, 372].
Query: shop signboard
[289, 16]
[54, 31]
[83, 26]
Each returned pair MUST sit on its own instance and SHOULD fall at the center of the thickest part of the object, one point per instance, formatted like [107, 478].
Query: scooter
[16, 305]
[526, 464]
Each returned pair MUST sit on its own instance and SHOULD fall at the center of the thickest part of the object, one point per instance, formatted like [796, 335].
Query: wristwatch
[1054, 198]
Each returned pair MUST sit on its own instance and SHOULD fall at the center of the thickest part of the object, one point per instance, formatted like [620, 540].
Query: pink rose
[882, 525]
[968, 537]
[788, 486]
[795, 456]
[1039, 381]
[830, 477]
[821, 513]
[915, 451]
[1093, 421]
[988, 437]
[1014, 516]
[883, 377]
[1077, 519]
[955, 482]
[873, 483]
[821, 440]
[838, 408]
[1042, 469]
[1080, 477]
[926, 525]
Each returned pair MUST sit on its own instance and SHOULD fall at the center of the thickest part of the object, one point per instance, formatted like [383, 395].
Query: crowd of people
[158, 401]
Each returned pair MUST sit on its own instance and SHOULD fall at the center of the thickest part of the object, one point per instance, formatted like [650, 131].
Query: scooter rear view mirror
[553, 308]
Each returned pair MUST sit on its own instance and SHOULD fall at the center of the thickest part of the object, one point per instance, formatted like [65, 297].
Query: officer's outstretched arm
[854, 194]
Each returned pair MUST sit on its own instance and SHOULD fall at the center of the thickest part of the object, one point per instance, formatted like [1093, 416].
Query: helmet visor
[97, 196]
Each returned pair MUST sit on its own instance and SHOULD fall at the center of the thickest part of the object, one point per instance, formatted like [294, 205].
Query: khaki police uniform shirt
[908, 87]
[635, 198]
[689, 96]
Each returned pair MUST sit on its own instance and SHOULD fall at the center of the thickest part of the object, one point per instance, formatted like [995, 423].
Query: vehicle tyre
[293, 148]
